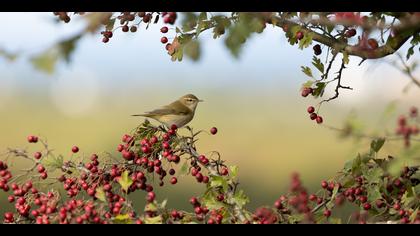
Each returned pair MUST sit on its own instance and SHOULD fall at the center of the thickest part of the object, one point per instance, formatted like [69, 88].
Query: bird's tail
[145, 115]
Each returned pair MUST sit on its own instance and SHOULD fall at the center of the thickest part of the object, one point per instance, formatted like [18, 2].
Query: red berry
[311, 109]
[40, 168]
[105, 40]
[75, 149]
[306, 91]
[213, 130]
[373, 44]
[317, 49]
[164, 40]
[125, 28]
[299, 35]
[313, 116]
[397, 206]
[413, 111]
[151, 196]
[44, 175]
[350, 33]
[37, 155]
[313, 197]
[319, 120]
[278, 204]
[164, 29]
[32, 139]
[11, 199]
[324, 184]
[367, 206]
[224, 171]
[194, 201]
[171, 171]
[327, 213]
[174, 180]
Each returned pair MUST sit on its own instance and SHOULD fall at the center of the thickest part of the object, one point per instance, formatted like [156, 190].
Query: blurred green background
[254, 102]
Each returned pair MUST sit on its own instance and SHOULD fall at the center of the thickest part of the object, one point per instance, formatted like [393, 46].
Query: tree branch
[401, 33]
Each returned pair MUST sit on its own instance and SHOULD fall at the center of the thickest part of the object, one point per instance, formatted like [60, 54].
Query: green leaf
[335, 220]
[66, 47]
[150, 207]
[408, 197]
[318, 64]
[413, 216]
[219, 181]
[125, 181]
[305, 41]
[374, 193]
[374, 175]
[319, 90]
[200, 23]
[122, 219]
[153, 220]
[240, 198]
[356, 165]
[307, 84]
[9, 56]
[53, 163]
[307, 71]
[184, 169]
[192, 50]
[110, 24]
[100, 194]
[233, 171]
[46, 61]
[330, 204]
[377, 144]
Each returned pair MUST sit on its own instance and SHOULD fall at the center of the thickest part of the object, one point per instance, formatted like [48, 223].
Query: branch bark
[402, 33]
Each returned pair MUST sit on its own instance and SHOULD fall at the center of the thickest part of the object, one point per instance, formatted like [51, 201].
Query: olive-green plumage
[179, 112]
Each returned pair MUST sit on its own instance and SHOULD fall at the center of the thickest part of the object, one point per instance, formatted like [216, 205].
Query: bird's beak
[201, 100]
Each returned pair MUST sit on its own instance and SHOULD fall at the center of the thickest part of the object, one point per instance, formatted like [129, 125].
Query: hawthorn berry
[164, 40]
[164, 29]
[174, 180]
[32, 139]
[317, 49]
[327, 213]
[367, 206]
[299, 35]
[319, 120]
[313, 116]
[75, 149]
[350, 33]
[306, 91]
[324, 184]
[311, 109]
[37, 155]
[373, 44]
[133, 28]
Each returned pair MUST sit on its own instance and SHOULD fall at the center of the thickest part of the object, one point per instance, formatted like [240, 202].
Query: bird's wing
[175, 108]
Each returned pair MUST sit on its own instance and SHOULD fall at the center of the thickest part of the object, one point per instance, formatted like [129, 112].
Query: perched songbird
[178, 113]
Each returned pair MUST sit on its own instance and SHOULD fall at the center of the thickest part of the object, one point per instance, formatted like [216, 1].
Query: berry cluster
[314, 116]
[408, 126]
[148, 151]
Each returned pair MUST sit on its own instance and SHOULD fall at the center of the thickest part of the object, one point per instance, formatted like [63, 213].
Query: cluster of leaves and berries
[97, 190]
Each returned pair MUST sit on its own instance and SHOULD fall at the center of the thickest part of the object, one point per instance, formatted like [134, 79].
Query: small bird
[178, 113]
